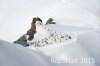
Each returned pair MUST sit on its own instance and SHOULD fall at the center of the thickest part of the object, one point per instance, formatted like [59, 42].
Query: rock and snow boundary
[47, 37]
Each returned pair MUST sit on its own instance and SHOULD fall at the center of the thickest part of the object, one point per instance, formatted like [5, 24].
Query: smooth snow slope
[16, 55]
[78, 12]
[91, 42]
[16, 17]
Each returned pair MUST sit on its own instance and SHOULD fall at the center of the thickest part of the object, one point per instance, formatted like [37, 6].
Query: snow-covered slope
[90, 41]
[85, 45]
[75, 50]
[67, 12]
[16, 17]
[16, 55]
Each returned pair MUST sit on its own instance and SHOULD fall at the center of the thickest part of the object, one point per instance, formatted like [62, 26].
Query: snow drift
[16, 16]
[16, 55]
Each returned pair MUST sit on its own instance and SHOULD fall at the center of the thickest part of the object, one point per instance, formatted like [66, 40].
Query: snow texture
[79, 17]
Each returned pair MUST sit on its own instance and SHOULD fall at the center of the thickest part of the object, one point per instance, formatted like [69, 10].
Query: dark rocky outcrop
[50, 21]
[22, 41]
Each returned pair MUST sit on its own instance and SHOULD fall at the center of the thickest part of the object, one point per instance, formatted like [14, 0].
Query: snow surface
[16, 55]
[81, 17]
[80, 47]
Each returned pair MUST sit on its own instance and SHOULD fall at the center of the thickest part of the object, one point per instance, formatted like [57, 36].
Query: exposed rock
[50, 21]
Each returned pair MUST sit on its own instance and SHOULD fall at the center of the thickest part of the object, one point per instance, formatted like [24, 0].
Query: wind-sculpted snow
[16, 55]
[82, 17]
[67, 12]
[91, 42]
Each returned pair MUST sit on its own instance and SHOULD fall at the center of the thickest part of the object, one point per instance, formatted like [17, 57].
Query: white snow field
[16, 55]
[80, 18]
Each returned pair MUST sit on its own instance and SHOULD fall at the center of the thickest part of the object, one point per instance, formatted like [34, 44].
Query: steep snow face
[41, 32]
[52, 38]
[16, 55]
[16, 17]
